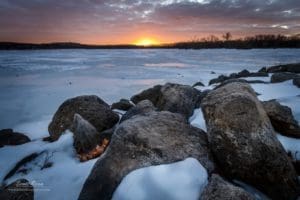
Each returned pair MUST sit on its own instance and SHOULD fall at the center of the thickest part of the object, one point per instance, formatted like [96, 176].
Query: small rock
[219, 189]
[18, 190]
[152, 94]
[198, 84]
[86, 137]
[9, 137]
[263, 70]
[296, 82]
[282, 118]
[123, 104]
[293, 68]
[283, 76]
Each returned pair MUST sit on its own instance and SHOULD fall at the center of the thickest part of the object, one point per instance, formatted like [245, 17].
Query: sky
[128, 21]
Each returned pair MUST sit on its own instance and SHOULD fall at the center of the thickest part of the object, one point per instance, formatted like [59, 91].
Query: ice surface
[34, 83]
[177, 181]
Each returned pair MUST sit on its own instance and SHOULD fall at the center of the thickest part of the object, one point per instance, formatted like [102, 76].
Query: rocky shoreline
[152, 128]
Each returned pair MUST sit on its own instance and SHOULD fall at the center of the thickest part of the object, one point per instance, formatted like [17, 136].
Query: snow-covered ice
[176, 181]
[63, 180]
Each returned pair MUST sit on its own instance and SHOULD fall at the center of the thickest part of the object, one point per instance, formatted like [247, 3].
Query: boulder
[18, 190]
[141, 108]
[293, 68]
[91, 108]
[86, 137]
[219, 189]
[198, 84]
[220, 79]
[9, 137]
[152, 94]
[296, 82]
[244, 144]
[282, 118]
[182, 99]
[283, 76]
[145, 140]
[123, 104]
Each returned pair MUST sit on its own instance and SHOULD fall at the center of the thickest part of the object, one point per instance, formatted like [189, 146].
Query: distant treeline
[257, 41]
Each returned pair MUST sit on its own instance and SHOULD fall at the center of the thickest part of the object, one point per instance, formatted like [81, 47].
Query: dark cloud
[113, 21]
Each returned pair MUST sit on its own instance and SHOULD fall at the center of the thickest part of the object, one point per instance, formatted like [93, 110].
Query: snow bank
[177, 181]
[63, 180]
[290, 144]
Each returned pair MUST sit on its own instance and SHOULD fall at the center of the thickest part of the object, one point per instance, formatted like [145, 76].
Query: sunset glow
[143, 23]
[146, 42]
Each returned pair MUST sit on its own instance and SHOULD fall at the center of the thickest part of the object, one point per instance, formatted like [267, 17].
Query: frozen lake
[34, 83]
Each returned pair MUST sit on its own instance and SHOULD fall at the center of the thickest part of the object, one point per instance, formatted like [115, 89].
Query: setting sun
[146, 42]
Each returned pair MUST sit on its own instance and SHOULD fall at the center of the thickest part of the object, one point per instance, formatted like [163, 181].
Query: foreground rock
[86, 137]
[282, 118]
[9, 137]
[219, 189]
[293, 68]
[171, 97]
[244, 144]
[141, 108]
[91, 108]
[19, 190]
[144, 140]
[283, 76]
[123, 104]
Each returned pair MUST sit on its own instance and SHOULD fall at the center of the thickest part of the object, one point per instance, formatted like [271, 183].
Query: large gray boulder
[244, 144]
[171, 97]
[282, 118]
[283, 76]
[91, 108]
[219, 189]
[144, 140]
[18, 190]
[141, 108]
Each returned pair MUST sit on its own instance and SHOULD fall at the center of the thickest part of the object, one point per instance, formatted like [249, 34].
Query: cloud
[112, 21]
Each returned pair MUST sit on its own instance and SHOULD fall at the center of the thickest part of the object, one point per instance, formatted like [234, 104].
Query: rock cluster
[243, 141]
